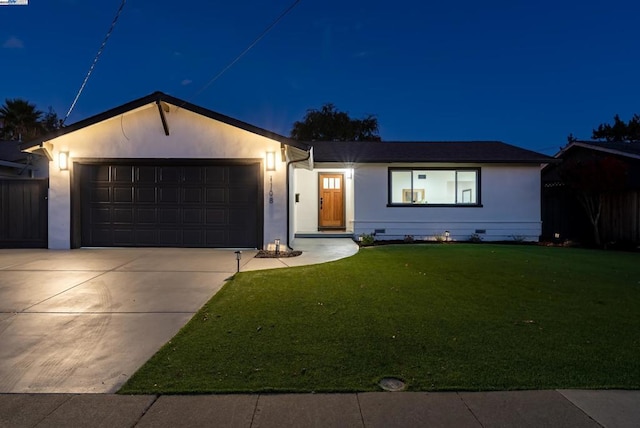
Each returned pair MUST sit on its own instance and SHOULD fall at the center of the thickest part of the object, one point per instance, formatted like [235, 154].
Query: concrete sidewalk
[573, 408]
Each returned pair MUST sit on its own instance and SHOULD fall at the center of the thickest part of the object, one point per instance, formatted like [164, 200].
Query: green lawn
[440, 317]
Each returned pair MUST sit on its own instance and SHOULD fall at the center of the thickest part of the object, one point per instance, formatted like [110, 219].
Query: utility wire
[95, 60]
[255, 42]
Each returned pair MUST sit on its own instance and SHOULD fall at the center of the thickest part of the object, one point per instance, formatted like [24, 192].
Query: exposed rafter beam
[161, 107]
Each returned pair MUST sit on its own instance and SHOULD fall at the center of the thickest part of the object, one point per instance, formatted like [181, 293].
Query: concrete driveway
[85, 320]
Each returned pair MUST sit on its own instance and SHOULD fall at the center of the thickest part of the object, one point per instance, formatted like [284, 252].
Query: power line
[257, 39]
[95, 60]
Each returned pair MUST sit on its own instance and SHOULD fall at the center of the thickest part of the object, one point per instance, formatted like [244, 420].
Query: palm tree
[20, 120]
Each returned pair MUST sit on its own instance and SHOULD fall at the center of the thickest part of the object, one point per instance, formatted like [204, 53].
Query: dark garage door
[142, 205]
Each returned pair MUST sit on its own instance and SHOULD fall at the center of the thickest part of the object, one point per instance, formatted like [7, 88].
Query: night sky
[527, 73]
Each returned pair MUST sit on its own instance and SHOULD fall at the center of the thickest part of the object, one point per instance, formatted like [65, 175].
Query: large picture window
[434, 186]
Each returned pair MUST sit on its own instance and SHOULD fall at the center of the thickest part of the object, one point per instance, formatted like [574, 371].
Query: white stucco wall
[139, 134]
[510, 198]
[306, 210]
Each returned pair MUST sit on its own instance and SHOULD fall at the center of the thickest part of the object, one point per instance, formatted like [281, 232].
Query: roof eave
[592, 146]
[155, 98]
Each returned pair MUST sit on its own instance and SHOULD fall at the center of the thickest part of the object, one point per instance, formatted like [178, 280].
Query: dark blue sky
[527, 73]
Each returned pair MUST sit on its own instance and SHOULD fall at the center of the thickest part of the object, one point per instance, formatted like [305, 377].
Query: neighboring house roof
[576, 150]
[158, 97]
[631, 150]
[425, 151]
[13, 158]
[9, 151]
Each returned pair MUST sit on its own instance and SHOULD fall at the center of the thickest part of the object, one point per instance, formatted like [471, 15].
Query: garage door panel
[146, 216]
[169, 238]
[215, 174]
[145, 174]
[146, 195]
[193, 175]
[123, 237]
[241, 217]
[169, 215]
[101, 237]
[242, 195]
[101, 215]
[171, 205]
[215, 195]
[215, 217]
[242, 174]
[169, 195]
[193, 238]
[216, 238]
[192, 195]
[169, 174]
[238, 238]
[143, 237]
[192, 216]
[123, 215]
[122, 174]
[99, 173]
[101, 195]
[122, 195]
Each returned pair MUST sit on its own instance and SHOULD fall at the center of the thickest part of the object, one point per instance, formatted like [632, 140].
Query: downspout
[289, 196]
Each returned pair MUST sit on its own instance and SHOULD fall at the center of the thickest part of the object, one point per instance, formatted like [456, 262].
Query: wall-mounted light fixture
[271, 161]
[63, 161]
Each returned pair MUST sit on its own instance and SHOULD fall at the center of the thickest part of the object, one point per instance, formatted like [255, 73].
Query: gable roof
[425, 151]
[631, 150]
[158, 97]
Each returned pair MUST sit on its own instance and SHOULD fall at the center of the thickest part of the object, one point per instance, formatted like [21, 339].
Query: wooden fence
[23, 213]
[562, 214]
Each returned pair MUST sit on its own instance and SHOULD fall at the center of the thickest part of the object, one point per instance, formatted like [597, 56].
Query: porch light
[271, 161]
[277, 241]
[63, 161]
[349, 173]
[238, 257]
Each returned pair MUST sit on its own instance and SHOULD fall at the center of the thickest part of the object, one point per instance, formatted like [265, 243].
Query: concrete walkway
[378, 409]
[314, 251]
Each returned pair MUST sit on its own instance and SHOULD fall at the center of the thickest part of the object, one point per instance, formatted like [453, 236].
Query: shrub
[475, 238]
[366, 239]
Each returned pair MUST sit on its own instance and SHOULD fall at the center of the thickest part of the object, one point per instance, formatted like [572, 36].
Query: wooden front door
[331, 201]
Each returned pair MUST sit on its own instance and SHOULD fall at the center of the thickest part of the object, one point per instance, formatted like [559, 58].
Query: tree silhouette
[330, 124]
[20, 120]
[619, 131]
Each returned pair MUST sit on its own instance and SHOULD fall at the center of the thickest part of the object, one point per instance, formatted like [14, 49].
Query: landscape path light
[238, 257]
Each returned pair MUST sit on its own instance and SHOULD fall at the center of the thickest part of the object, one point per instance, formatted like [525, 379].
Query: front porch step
[324, 235]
